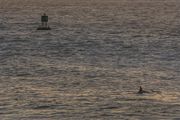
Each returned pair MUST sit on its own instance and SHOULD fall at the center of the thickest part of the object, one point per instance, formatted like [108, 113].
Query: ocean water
[92, 62]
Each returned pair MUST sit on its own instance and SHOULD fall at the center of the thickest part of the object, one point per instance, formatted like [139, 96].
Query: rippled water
[90, 65]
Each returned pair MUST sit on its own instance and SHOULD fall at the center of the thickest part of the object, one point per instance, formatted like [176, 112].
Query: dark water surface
[90, 65]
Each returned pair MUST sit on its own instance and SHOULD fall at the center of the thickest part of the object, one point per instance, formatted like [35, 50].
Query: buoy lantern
[44, 23]
[44, 18]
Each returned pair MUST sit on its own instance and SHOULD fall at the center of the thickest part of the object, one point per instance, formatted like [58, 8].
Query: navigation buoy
[44, 23]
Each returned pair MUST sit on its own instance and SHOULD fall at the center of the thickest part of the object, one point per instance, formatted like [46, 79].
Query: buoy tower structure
[44, 23]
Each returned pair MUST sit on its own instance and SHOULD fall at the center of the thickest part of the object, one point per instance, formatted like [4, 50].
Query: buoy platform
[43, 28]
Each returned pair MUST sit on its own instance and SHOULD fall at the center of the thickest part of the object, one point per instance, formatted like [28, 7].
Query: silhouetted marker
[141, 91]
[44, 23]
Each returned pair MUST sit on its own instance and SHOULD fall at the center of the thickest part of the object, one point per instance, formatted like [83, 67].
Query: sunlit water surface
[90, 65]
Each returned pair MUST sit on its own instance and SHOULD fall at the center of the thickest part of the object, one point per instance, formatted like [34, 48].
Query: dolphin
[141, 91]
